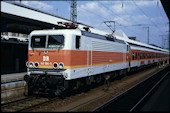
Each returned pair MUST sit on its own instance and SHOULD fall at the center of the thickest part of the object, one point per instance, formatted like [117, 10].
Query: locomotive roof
[118, 34]
[89, 34]
[75, 32]
[54, 31]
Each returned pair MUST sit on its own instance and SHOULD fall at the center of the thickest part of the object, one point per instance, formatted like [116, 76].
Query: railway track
[24, 104]
[32, 103]
[133, 98]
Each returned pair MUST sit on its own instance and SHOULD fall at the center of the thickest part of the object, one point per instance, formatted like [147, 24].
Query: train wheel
[88, 81]
[98, 79]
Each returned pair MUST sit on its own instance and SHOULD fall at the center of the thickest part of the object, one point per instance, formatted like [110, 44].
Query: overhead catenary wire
[139, 25]
[126, 27]
[94, 13]
[161, 13]
[118, 17]
[147, 16]
[108, 19]
[151, 33]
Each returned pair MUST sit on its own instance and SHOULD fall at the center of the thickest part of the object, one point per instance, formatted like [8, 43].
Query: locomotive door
[88, 59]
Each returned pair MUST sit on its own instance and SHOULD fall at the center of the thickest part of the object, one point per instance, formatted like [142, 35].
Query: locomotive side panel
[99, 56]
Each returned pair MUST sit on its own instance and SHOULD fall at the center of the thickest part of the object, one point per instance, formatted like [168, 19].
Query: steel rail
[22, 104]
[125, 92]
[136, 105]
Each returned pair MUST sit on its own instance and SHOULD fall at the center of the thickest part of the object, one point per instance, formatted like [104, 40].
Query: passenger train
[61, 60]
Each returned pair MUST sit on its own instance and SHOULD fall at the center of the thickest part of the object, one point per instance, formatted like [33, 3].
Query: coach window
[135, 56]
[138, 56]
[145, 55]
[77, 42]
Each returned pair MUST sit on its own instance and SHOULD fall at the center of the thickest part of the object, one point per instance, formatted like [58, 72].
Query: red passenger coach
[143, 55]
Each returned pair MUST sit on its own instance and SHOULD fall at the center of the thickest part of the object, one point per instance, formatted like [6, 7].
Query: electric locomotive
[69, 58]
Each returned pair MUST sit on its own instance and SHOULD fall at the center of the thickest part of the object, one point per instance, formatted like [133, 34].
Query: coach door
[129, 58]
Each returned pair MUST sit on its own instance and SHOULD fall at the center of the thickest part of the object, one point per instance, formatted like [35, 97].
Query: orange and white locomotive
[64, 59]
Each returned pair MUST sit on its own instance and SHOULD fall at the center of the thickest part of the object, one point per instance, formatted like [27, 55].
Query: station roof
[166, 5]
[23, 19]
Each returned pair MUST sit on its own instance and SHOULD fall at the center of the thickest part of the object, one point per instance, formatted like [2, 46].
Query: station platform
[160, 100]
[5, 78]
[13, 86]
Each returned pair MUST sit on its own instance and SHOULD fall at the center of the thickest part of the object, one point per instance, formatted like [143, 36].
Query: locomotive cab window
[38, 41]
[49, 41]
[77, 42]
[55, 41]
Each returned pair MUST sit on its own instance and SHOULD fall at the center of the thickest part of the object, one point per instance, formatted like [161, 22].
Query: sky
[131, 16]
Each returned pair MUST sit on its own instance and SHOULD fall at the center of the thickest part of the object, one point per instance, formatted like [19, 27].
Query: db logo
[45, 58]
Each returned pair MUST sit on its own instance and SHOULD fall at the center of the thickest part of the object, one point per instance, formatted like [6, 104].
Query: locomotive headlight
[36, 64]
[27, 63]
[61, 65]
[55, 65]
[31, 64]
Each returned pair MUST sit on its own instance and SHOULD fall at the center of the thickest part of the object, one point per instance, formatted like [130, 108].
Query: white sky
[126, 13]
